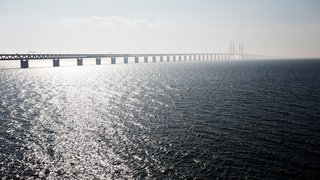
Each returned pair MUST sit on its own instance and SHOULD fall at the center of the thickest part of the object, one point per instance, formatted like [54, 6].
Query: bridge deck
[74, 56]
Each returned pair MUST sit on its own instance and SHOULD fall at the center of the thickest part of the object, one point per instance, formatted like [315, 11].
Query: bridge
[24, 58]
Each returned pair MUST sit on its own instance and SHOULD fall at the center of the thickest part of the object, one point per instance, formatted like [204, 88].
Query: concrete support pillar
[154, 59]
[24, 63]
[174, 58]
[113, 60]
[180, 58]
[56, 62]
[211, 58]
[185, 58]
[136, 59]
[79, 61]
[168, 58]
[161, 58]
[125, 60]
[146, 59]
[98, 61]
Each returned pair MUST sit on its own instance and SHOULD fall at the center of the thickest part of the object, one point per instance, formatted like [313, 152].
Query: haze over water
[250, 119]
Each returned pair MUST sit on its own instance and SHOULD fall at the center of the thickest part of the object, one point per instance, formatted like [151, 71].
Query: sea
[245, 119]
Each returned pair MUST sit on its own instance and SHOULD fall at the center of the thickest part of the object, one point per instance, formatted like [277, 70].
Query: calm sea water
[206, 120]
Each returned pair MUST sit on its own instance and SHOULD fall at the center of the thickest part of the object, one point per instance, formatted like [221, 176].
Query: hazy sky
[271, 27]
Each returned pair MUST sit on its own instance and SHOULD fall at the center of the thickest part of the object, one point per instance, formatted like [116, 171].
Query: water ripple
[163, 121]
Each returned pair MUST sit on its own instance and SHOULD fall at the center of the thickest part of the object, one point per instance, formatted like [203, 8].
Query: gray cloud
[115, 21]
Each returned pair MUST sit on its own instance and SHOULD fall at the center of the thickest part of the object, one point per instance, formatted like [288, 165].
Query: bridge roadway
[24, 58]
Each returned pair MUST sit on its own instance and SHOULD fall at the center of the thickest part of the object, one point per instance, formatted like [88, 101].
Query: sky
[288, 28]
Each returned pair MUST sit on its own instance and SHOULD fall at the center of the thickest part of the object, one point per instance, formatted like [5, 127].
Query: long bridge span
[24, 58]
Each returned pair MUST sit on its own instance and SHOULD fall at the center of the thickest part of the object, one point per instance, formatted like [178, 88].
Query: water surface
[250, 119]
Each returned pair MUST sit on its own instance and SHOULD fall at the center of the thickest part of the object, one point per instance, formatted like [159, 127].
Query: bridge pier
[24, 63]
[79, 61]
[136, 59]
[161, 58]
[154, 59]
[146, 59]
[125, 60]
[168, 58]
[98, 61]
[113, 60]
[56, 62]
[174, 58]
